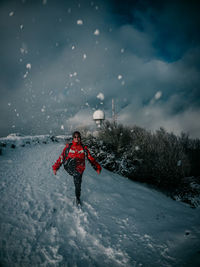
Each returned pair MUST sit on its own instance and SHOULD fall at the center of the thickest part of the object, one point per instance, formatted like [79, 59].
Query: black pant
[77, 183]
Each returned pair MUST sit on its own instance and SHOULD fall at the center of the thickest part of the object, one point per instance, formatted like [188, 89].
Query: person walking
[73, 159]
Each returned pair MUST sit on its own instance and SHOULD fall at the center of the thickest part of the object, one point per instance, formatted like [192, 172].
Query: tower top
[98, 115]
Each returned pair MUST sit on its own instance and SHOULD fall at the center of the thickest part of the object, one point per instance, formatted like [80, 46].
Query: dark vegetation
[161, 159]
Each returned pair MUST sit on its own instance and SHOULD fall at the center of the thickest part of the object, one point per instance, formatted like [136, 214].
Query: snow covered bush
[116, 137]
[156, 158]
[188, 191]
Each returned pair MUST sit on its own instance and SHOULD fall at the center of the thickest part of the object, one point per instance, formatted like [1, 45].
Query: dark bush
[157, 158]
[54, 139]
[161, 159]
[192, 150]
[115, 137]
[2, 144]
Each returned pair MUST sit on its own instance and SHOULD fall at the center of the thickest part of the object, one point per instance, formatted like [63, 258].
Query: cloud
[53, 78]
[82, 118]
[154, 117]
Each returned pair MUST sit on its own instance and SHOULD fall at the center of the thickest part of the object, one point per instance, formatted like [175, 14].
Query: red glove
[99, 170]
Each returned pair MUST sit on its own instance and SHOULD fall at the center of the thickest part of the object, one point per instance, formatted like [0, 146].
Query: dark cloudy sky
[61, 60]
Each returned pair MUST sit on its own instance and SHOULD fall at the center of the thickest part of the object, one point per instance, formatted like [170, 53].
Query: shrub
[160, 158]
[192, 150]
[168, 162]
[115, 137]
[157, 158]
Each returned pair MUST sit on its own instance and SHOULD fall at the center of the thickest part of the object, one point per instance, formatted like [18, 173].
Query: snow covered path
[122, 223]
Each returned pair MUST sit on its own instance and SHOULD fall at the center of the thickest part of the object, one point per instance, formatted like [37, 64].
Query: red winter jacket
[76, 151]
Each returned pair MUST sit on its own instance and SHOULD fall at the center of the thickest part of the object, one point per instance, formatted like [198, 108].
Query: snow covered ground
[121, 223]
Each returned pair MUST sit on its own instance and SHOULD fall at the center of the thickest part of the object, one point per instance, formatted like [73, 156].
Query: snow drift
[121, 223]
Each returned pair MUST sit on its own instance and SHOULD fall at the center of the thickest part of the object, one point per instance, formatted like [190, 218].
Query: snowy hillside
[121, 223]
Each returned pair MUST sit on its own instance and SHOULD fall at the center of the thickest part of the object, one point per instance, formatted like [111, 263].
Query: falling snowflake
[62, 127]
[84, 56]
[122, 50]
[24, 49]
[158, 95]
[11, 13]
[79, 22]
[73, 47]
[43, 109]
[26, 74]
[119, 77]
[96, 32]
[28, 66]
[100, 96]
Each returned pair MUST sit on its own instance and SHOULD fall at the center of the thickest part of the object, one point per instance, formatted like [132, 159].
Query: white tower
[98, 117]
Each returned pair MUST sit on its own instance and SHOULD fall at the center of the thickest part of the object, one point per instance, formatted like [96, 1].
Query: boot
[78, 201]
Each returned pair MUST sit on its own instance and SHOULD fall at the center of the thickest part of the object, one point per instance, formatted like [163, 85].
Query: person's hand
[98, 171]
[54, 171]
